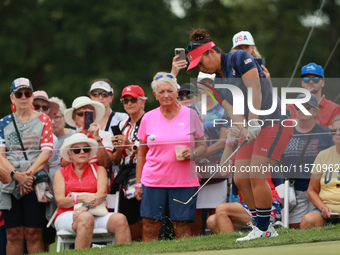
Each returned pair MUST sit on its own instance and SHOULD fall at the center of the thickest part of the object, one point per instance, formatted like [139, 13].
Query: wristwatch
[194, 153]
[99, 140]
[13, 172]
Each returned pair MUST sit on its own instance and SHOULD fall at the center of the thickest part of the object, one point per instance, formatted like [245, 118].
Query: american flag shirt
[36, 135]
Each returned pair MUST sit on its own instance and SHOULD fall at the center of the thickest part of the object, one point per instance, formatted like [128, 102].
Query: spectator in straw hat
[74, 117]
[80, 176]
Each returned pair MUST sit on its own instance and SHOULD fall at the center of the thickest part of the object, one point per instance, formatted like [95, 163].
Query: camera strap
[19, 137]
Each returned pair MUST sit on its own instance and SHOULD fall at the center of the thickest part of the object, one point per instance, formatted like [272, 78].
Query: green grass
[217, 242]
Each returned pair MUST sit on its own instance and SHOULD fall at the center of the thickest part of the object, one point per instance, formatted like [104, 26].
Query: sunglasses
[188, 95]
[335, 130]
[126, 101]
[78, 150]
[191, 47]
[80, 114]
[307, 106]
[164, 75]
[27, 94]
[103, 94]
[38, 106]
[307, 79]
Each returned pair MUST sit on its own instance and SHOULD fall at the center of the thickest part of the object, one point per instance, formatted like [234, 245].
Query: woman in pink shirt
[160, 176]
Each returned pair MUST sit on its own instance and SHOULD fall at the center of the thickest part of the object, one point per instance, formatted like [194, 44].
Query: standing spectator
[163, 176]
[80, 176]
[323, 190]
[308, 140]
[313, 79]
[244, 41]
[188, 94]
[126, 148]
[101, 90]
[24, 217]
[266, 140]
[74, 118]
[42, 104]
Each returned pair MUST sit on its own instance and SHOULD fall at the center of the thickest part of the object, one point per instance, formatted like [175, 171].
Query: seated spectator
[126, 145]
[308, 140]
[24, 216]
[323, 190]
[74, 117]
[313, 79]
[79, 176]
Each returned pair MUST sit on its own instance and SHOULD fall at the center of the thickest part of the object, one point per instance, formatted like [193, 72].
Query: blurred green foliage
[61, 46]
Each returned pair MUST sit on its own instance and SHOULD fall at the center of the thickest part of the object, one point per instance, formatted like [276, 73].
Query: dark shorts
[26, 212]
[155, 201]
[130, 208]
[332, 221]
[270, 143]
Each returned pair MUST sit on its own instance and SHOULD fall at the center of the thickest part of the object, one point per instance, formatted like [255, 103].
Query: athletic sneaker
[257, 233]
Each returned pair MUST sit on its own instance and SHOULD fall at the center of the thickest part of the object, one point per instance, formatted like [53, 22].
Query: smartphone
[88, 119]
[181, 53]
[261, 61]
[334, 215]
[116, 130]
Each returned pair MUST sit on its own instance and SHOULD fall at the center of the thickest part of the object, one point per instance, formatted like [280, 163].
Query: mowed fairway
[319, 248]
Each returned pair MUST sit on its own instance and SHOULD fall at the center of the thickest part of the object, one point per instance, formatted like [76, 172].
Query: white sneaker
[257, 233]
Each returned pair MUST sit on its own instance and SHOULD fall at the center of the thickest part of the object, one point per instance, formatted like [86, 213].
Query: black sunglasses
[307, 106]
[103, 94]
[38, 106]
[191, 47]
[78, 150]
[80, 114]
[335, 130]
[314, 79]
[188, 95]
[126, 101]
[27, 94]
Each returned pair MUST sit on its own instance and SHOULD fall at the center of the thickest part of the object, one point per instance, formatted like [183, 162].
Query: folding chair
[66, 238]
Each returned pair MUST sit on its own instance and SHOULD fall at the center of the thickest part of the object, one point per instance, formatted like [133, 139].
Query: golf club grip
[231, 155]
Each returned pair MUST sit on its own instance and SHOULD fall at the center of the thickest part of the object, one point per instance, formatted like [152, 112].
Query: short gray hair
[60, 102]
[164, 77]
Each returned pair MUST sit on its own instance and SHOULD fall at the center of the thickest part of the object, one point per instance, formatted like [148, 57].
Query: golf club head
[180, 202]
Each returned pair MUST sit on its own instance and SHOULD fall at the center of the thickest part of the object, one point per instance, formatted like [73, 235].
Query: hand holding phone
[334, 215]
[181, 53]
[88, 116]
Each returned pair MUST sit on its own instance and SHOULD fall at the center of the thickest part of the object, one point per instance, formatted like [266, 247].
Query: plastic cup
[178, 150]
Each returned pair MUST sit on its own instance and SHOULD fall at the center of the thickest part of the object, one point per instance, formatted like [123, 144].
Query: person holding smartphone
[266, 142]
[323, 190]
[74, 117]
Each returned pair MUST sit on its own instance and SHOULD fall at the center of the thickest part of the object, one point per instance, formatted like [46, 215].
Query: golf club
[231, 155]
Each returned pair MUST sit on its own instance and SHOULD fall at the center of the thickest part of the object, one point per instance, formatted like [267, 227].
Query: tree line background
[61, 46]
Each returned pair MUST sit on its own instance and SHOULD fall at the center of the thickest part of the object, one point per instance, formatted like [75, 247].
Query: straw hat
[99, 109]
[78, 138]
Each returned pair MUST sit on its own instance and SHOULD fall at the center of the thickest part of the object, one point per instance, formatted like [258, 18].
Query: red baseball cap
[195, 55]
[134, 91]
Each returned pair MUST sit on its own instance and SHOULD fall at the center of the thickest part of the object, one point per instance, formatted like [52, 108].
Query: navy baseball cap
[21, 83]
[313, 102]
[312, 68]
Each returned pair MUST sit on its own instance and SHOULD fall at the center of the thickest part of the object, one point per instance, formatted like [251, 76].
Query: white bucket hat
[243, 38]
[99, 109]
[78, 138]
